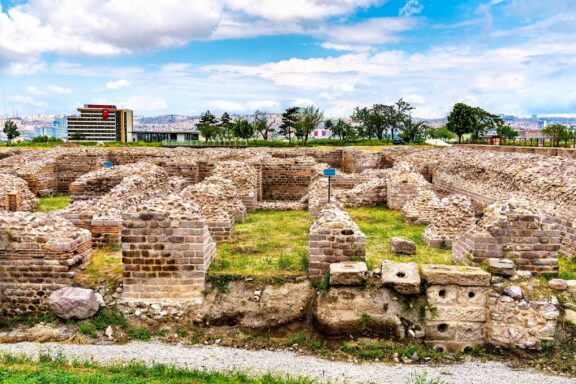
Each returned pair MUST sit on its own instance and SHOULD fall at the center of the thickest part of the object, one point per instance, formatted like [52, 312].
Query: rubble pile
[454, 216]
[15, 195]
[97, 183]
[244, 177]
[422, 209]
[103, 216]
[370, 193]
[215, 205]
[40, 253]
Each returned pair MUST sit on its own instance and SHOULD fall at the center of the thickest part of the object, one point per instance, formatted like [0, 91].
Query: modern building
[158, 136]
[101, 123]
[55, 130]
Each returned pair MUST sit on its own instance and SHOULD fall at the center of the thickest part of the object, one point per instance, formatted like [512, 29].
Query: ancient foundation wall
[564, 152]
[39, 254]
[334, 238]
[166, 254]
[286, 179]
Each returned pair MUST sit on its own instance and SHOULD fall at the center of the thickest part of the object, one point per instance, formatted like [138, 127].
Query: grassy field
[56, 370]
[49, 204]
[275, 244]
[380, 224]
[267, 244]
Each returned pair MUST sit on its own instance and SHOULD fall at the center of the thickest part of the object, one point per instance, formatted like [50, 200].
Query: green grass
[273, 244]
[56, 370]
[267, 244]
[49, 204]
[567, 267]
[381, 224]
[105, 268]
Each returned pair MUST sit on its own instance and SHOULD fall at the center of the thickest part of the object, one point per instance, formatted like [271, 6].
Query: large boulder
[74, 303]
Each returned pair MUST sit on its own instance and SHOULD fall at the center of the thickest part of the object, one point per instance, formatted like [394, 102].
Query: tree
[340, 128]
[507, 132]
[208, 126]
[441, 133]
[556, 133]
[381, 118]
[243, 129]
[226, 126]
[466, 119]
[289, 120]
[309, 119]
[262, 125]
[11, 130]
[414, 131]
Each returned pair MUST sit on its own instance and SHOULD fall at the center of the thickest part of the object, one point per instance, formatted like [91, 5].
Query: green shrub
[141, 334]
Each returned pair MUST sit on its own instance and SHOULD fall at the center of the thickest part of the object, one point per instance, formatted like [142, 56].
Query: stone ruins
[512, 213]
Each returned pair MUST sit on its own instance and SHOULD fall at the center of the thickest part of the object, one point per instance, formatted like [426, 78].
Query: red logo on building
[105, 113]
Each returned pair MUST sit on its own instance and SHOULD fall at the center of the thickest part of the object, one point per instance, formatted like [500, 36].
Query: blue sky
[177, 56]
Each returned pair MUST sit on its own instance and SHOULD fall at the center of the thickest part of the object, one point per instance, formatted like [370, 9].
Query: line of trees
[379, 121]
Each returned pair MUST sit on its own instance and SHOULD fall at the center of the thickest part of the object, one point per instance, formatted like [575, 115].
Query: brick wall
[166, 252]
[286, 179]
[334, 238]
[39, 254]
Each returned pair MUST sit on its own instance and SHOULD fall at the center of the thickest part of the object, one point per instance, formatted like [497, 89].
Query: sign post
[329, 173]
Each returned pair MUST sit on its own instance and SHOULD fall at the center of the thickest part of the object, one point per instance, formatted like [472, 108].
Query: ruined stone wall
[511, 229]
[542, 151]
[404, 185]
[166, 251]
[454, 216]
[103, 216]
[217, 205]
[245, 179]
[520, 323]
[286, 179]
[456, 314]
[334, 237]
[39, 254]
[15, 195]
[422, 209]
[98, 183]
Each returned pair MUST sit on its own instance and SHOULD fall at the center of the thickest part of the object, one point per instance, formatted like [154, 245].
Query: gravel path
[281, 363]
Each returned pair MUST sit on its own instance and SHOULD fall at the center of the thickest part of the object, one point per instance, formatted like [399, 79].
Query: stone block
[74, 303]
[402, 246]
[455, 275]
[455, 295]
[501, 267]
[403, 277]
[348, 273]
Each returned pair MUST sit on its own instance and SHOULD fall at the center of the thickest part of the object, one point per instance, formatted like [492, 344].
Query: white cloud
[301, 102]
[411, 8]
[114, 85]
[374, 31]
[298, 9]
[105, 27]
[25, 66]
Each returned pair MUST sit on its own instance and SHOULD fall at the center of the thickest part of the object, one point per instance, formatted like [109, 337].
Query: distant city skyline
[513, 57]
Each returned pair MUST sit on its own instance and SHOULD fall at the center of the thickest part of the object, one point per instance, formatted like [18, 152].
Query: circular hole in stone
[442, 327]
[442, 293]
[439, 348]
[401, 274]
[467, 349]
[471, 295]
[347, 232]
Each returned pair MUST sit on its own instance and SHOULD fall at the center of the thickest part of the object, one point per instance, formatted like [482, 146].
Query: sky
[187, 56]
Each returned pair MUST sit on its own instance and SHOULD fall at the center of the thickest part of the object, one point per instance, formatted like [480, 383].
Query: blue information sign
[330, 172]
[108, 164]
